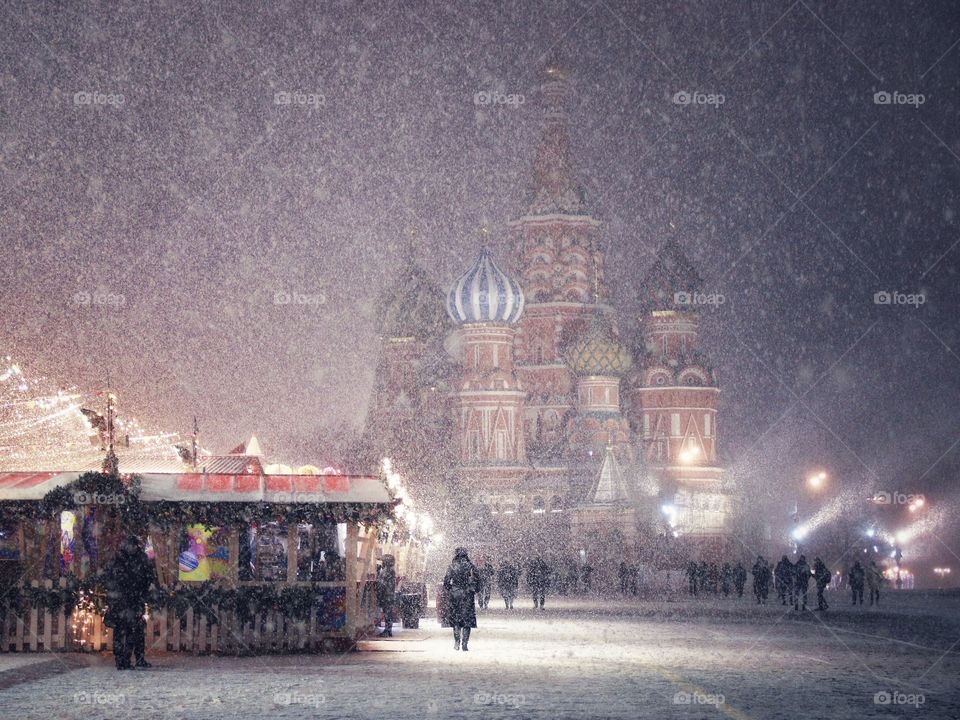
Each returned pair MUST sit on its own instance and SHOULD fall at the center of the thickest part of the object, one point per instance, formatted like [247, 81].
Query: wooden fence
[40, 630]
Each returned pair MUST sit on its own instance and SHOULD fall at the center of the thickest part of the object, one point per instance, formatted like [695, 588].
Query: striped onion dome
[485, 294]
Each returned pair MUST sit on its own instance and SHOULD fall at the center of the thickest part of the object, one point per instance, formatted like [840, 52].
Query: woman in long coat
[461, 584]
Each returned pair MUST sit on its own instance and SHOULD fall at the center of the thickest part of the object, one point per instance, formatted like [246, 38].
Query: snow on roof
[222, 487]
[610, 487]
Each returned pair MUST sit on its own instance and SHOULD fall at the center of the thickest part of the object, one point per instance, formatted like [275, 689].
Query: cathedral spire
[555, 189]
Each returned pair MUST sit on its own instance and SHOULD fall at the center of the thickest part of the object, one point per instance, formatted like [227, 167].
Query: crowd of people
[791, 581]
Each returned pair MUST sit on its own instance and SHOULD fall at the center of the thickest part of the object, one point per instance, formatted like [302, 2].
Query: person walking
[739, 578]
[802, 570]
[784, 579]
[856, 577]
[538, 576]
[461, 583]
[874, 581]
[128, 579]
[387, 593]
[822, 576]
[487, 574]
[508, 579]
[761, 580]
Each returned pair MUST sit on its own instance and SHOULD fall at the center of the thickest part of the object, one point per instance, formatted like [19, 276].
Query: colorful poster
[205, 554]
[68, 523]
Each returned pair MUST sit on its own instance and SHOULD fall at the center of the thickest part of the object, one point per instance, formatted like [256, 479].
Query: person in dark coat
[739, 578]
[387, 593]
[874, 581]
[857, 577]
[586, 574]
[487, 574]
[726, 579]
[538, 578]
[761, 580]
[784, 580]
[822, 576]
[128, 579]
[461, 583]
[623, 574]
[802, 570]
[692, 577]
[508, 580]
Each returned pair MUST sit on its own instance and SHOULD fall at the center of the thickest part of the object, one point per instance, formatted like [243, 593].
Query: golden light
[689, 454]
[817, 480]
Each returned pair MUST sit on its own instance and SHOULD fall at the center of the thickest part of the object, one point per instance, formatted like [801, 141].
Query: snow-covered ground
[620, 659]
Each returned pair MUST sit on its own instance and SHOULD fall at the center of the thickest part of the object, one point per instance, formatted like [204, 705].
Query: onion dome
[485, 294]
[670, 280]
[410, 308]
[599, 352]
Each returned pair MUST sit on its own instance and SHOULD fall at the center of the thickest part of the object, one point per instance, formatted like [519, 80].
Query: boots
[466, 638]
[456, 638]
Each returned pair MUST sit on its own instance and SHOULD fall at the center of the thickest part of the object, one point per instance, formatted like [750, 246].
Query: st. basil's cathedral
[517, 400]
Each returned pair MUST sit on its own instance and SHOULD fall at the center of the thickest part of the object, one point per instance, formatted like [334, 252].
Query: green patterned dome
[599, 352]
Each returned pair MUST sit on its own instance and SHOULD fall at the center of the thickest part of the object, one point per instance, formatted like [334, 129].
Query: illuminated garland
[20, 599]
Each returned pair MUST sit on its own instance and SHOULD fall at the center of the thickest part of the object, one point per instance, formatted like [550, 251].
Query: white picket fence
[40, 630]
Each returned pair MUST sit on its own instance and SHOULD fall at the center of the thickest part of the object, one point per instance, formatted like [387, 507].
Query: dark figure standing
[821, 574]
[634, 578]
[761, 580]
[586, 574]
[692, 577]
[857, 577]
[739, 578]
[486, 579]
[508, 579]
[702, 573]
[784, 580]
[726, 579]
[387, 593]
[461, 583]
[802, 570]
[874, 580]
[538, 577]
[623, 573]
[128, 579]
[572, 577]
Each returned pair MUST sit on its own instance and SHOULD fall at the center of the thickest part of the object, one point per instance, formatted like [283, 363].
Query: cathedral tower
[561, 269]
[673, 396]
[485, 303]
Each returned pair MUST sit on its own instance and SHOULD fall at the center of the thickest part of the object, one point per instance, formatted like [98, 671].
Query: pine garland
[174, 513]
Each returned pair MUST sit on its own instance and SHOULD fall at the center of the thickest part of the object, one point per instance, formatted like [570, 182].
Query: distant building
[548, 424]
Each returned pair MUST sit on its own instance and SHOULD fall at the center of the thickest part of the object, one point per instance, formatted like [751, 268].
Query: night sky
[181, 209]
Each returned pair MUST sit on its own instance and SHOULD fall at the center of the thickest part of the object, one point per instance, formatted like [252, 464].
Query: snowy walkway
[622, 660]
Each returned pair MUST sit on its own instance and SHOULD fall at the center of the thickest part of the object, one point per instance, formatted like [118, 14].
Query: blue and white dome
[485, 294]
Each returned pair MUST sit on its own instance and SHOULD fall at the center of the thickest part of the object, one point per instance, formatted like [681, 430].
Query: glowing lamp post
[817, 481]
[941, 573]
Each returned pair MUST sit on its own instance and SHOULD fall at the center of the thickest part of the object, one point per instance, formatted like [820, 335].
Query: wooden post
[352, 600]
[293, 539]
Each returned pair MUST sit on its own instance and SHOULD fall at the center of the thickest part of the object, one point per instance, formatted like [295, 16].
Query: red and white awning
[212, 487]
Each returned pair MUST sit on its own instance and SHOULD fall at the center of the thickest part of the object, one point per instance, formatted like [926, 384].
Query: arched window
[556, 504]
[539, 507]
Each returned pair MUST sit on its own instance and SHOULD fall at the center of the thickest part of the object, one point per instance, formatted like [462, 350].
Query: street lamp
[817, 480]
[941, 572]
